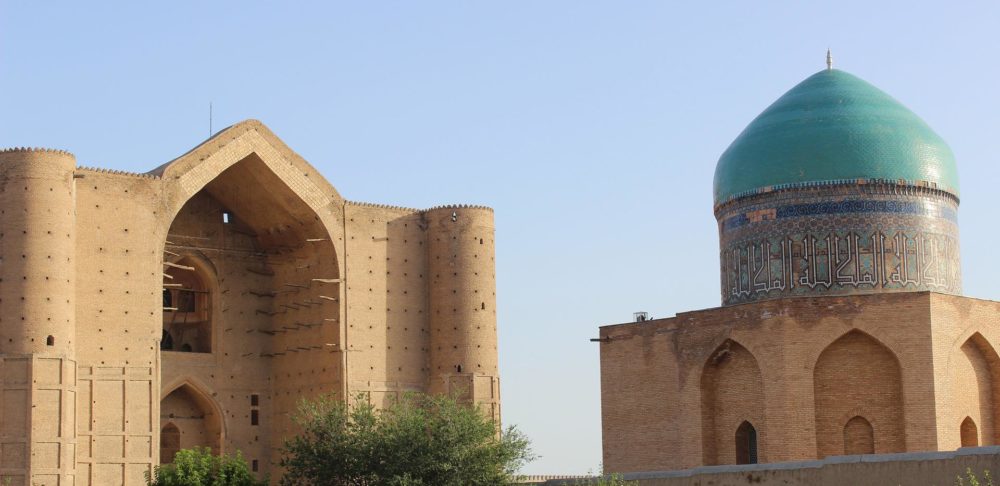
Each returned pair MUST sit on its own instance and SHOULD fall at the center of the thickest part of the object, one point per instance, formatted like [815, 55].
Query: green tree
[419, 440]
[199, 467]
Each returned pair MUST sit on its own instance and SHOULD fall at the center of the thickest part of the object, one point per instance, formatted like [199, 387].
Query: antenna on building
[209, 119]
[829, 59]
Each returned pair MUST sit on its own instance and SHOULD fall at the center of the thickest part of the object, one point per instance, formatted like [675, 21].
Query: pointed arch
[272, 223]
[170, 442]
[975, 389]
[732, 393]
[746, 444]
[196, 416]
[969, 433]
[190, 285]
[248, 140]
[845, 374]
[859, 436]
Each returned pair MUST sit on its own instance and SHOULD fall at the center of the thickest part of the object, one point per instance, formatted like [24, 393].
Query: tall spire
[829, 59]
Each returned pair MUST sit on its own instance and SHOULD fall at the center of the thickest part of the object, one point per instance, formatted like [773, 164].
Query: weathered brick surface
[300, 293]
[913, 365]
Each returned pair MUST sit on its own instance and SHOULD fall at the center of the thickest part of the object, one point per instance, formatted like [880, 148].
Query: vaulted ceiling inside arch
[260, 200]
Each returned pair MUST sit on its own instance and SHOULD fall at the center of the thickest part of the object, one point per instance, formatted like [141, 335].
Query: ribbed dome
[834, 126]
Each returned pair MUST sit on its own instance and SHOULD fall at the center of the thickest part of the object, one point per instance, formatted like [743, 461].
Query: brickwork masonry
[198, 303]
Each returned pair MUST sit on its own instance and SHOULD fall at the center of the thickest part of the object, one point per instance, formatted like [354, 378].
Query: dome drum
[838, 240]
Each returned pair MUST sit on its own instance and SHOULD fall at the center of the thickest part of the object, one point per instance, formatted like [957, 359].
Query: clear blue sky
[592, 128]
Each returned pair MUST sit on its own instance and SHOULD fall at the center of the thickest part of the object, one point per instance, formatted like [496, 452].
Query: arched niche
[859, 436]
[975, 389]
[196, 418]
[732, 393]
[170, 442]
[969, 433]
[188, 313]
[746, 444]
[857, 372]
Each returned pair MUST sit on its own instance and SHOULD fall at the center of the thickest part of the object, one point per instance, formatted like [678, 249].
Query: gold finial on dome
[829, 59]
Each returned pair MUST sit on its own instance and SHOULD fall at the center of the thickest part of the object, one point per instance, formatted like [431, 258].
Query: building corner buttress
[37, 316]
[463, 319]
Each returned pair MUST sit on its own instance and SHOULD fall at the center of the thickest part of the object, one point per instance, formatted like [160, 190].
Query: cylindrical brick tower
[463, 319]
[37, 312]
[836, 189]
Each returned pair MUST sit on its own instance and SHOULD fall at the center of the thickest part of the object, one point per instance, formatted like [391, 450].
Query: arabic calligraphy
[840, 261]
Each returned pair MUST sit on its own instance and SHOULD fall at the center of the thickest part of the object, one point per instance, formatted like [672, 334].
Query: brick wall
[896, 360]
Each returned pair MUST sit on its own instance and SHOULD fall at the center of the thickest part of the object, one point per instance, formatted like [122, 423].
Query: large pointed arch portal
[258, 228]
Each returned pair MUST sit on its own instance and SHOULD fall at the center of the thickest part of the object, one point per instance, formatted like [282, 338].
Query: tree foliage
[419, 440]
[974, 480]
[199, 467]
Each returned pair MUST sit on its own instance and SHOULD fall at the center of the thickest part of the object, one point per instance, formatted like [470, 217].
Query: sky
[592, 128]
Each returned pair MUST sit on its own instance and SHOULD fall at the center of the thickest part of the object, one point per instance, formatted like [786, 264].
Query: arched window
[746, 444]
[170, 443]
[187, 308]
[970, 433]
[859, 437]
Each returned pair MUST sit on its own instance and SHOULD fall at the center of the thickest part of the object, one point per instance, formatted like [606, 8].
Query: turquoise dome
[834, 127]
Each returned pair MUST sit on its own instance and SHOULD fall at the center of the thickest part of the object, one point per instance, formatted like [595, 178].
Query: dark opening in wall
[50, 341]
[187, 308]
[254, 417]
[170, 443]
[746, 444]
[167, 341]
[254, 465]
[254, 400]
[185, 301]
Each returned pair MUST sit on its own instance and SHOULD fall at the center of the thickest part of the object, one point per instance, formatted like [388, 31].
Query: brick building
[196, 304]
[842, 329]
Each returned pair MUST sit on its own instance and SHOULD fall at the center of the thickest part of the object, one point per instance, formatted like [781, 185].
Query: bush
[605, 480]
[199, 467]
[419, 440]
[973, 480]
[614, 480]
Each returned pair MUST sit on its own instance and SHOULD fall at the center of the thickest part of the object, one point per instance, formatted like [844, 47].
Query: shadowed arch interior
[187, 306]
[732, 394]
[969, 432]
[746, 444]
[170, 442]
[275, 307]
[856, 372]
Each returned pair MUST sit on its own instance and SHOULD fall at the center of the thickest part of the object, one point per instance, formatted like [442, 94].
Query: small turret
[462, 290]
[37, 311]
